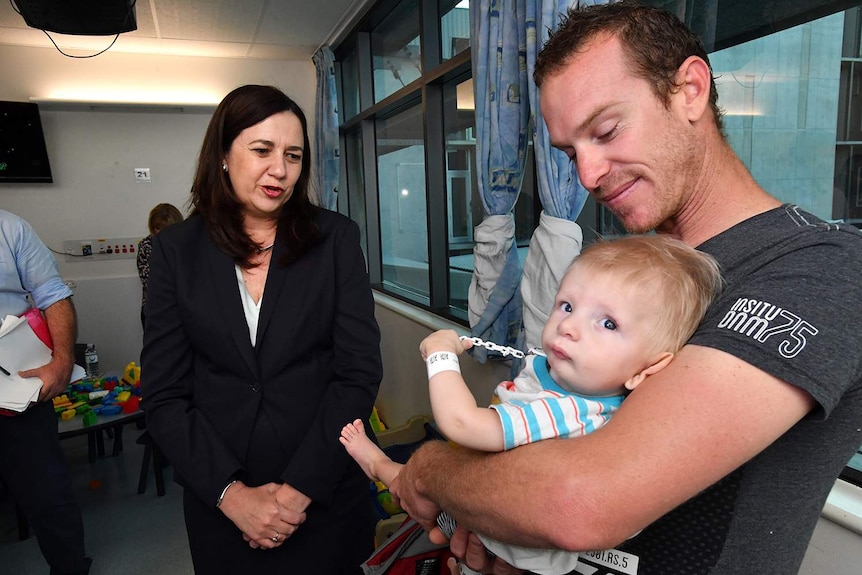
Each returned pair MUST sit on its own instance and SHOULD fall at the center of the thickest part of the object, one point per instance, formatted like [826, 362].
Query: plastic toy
[91, 397]
[111, 409]
[90, 418]
[376, 424]
[61, 402]
[131, 404]
[383, 500]
[132, 374]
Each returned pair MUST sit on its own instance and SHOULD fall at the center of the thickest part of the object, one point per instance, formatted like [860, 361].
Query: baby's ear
[657, 364]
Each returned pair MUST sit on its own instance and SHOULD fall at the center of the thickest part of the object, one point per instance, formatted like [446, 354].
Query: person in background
[161, 216]
[623, 309]
[32, 463]
[766, 397]
[260, 343]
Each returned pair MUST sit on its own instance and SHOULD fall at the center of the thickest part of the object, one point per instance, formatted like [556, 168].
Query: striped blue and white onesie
[534, 407]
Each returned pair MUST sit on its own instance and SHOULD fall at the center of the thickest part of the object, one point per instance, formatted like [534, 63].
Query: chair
[151, 451]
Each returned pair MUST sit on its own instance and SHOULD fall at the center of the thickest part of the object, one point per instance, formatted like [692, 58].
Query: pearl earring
[224, 166]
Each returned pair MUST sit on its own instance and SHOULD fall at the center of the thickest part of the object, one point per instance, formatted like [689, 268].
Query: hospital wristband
[442, 361]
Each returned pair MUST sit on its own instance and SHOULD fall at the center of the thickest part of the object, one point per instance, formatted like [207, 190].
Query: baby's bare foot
[362, 449]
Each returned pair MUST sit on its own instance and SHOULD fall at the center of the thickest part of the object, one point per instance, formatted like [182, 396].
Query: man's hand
[408, 492]
[469, 548]
[55, 378]
[63, 326]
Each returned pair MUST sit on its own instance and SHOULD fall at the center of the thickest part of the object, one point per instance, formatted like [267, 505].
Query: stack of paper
[20, 349]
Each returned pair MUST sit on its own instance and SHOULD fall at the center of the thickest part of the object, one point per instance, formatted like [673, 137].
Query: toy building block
[377, 424]
[90, 418]
[131, 404]
[132, 374]
[111, 409]
[68, 414]
[62, 401]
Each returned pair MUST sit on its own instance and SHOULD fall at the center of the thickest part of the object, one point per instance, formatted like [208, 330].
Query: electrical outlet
[101, 249]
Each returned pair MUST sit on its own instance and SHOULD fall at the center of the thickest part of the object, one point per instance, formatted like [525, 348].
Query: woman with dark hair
[260, 342]
[161, 216]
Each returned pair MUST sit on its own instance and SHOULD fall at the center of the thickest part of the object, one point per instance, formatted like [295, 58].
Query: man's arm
[668, 441]
[63, 325]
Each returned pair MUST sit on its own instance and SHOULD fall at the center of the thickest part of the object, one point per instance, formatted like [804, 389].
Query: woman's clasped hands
[267, 515]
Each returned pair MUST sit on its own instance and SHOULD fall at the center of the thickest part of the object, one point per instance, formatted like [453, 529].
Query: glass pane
[350, 85]
[454, 27]
[463, 202]
[395, 50]
[780, 94]
[847, 200]
[356, 186]
[403, 229]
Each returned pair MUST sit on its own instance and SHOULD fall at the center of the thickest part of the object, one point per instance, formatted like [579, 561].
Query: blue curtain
[559, 189]
[498, 44]
[326, 130]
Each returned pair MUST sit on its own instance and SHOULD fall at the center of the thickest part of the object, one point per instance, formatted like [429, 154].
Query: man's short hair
[655, 40]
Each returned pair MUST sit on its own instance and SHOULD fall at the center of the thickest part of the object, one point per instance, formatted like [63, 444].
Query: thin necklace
[265, 248]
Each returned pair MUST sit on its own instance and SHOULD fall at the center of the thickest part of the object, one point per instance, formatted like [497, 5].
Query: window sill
[844, 506]
[417, 314]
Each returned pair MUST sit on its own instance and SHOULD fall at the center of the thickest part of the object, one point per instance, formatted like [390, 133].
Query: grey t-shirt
[792, 306]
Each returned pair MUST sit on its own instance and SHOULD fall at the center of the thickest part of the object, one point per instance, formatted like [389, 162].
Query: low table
[95, 443]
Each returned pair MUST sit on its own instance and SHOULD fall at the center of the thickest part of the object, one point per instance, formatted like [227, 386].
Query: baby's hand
[443, 340]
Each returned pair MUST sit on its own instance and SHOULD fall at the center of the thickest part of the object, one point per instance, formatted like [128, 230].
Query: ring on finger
[277, 535]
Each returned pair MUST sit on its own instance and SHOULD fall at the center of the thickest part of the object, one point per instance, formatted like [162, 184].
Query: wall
[404, 389]
[93, 154]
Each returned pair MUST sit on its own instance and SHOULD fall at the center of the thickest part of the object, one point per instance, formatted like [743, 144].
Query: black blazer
[221, 409]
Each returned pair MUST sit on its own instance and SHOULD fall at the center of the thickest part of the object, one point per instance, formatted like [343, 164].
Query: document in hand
[20, 349]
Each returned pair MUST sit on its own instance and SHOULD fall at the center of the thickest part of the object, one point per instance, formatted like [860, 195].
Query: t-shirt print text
[762, 320]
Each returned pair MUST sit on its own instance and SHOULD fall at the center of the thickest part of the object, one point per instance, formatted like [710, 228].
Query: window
[464, 207]
[411, 116]
[455, 27]
[396, 50]
[847, 199]
[355, 190]
[350, 79]
[401, 181]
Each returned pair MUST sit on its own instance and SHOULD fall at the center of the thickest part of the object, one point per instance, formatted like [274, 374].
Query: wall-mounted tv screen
[23, 156]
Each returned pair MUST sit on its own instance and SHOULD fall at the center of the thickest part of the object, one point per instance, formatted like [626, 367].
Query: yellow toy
[376, 424]
[384, 498]
[131, 374]
[62, 401]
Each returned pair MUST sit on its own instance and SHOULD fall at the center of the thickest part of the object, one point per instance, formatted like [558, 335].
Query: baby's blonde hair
[659, 266]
